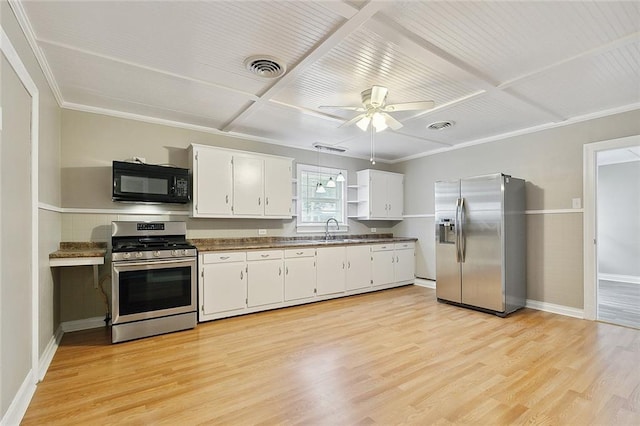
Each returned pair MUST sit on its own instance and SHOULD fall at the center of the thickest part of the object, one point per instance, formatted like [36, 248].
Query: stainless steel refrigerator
[481, 243]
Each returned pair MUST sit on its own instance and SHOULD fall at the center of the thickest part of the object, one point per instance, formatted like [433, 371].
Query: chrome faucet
[326, 230]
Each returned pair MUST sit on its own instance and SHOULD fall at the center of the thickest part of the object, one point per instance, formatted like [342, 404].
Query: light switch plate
[262, 232]
[576, 203]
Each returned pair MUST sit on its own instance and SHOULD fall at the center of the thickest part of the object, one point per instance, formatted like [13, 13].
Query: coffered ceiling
[492, 68]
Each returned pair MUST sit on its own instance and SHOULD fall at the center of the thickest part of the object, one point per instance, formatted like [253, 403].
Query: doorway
[612, 231]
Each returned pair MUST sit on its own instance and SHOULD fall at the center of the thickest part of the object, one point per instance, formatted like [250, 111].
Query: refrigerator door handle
[463, 237]
[456, 224]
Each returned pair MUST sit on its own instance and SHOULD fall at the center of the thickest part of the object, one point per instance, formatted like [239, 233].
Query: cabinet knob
[266, 201]
[259, 201]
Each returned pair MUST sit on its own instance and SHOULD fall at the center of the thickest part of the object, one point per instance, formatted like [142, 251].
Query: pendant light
[340, 177]
[319, 187]
[331, 183]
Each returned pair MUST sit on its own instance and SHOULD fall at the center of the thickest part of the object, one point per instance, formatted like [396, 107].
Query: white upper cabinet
[209, 166]
[277, 186]
[230, 183]
[380, 195]
[248, 185]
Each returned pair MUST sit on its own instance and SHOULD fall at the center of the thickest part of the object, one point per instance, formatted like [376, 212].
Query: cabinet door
[358, 267]
[405, 265]
[248, 186]
[265, 283]
[330, 270]
[383, 262]
[224, 287]
[277, 187]
[395, 196]
[213, 183]
[377, 194]
[299, 278]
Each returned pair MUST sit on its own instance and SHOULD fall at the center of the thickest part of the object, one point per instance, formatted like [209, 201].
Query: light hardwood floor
[395, 356]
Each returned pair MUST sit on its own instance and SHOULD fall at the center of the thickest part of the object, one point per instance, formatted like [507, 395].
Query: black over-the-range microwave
[138, 182]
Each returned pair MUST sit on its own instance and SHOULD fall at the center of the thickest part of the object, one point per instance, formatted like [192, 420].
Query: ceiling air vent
[440, 125]
[329, 148]
[265, 66]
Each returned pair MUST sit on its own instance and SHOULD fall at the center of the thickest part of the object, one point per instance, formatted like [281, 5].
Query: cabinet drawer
[224, 257]
[292, 253]
[407, 245]
[382, 247]
[264, 255]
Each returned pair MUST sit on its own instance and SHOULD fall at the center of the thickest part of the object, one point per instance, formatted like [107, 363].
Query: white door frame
[9, 52]
[590, 231]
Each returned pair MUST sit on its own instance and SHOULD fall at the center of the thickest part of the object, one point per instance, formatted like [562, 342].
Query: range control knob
[175, 253]
[184, 252]
[139, 254]
[156, 254]
[126, 255]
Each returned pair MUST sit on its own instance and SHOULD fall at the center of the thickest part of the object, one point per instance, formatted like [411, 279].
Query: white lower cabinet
[405, 262]
[330, 270]
[233, 283]
[265, 282]
[358, 267]
[223, 283]
[299, 274]
[383, 262]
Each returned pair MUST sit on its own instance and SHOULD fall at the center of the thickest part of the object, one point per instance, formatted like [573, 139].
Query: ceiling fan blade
[391, 122]
[348, 108]
[409, 106]
[378, 95]
[353, 120]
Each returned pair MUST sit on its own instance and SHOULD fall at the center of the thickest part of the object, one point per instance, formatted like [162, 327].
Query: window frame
[317, 227]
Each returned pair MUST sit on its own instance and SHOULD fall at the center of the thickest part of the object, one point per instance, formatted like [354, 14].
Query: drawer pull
[264, 255]
[224, 257]
[299, 253]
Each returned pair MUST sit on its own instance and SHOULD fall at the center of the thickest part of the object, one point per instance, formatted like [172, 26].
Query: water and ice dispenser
[446, 232]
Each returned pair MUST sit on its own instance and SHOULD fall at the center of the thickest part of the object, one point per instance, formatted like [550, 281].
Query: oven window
[154, 289]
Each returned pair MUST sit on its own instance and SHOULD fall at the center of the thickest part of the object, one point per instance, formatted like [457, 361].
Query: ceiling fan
[375, 111]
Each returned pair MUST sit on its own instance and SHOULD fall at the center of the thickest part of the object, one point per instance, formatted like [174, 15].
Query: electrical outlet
[262, 232]
[373, 229]
[576, 203]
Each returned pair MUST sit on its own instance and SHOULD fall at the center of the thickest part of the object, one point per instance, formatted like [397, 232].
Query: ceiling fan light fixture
[363, 123]
[379, 122]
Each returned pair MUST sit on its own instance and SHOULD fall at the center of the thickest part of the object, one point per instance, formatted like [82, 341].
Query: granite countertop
[224, 244]
[75, 250]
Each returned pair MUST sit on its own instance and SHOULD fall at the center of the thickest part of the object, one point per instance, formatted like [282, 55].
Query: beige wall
[551, 163]
[49, 223]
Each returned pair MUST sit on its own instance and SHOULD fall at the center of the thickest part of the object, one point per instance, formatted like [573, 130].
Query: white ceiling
[494, 68]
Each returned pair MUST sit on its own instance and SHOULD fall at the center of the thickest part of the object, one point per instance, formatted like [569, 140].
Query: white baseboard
[631, 279]
[49, 352]
[425, 283]
[533, 304]
[20, 402]
[83, 324]
[555, 309]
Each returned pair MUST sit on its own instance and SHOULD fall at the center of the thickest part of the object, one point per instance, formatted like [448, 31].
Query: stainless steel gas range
[154, 273]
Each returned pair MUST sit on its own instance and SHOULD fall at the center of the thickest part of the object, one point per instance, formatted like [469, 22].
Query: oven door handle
[154, 262]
